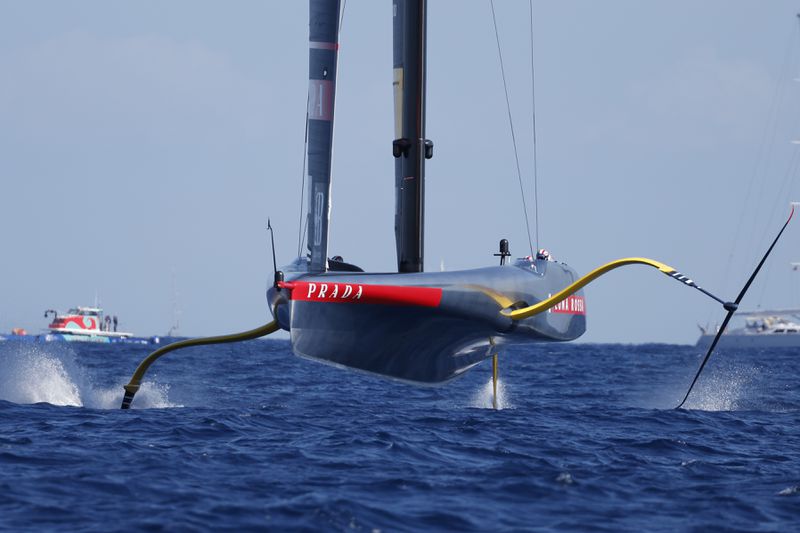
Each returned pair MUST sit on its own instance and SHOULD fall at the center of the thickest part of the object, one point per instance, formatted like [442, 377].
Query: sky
[144, 145]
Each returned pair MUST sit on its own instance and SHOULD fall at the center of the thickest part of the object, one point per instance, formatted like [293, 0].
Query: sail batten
[322, 56]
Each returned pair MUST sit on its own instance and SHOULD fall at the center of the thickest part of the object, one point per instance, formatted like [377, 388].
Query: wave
[50, 373]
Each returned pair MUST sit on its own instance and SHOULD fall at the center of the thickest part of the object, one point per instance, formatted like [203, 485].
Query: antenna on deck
[278, 273]
[503, 251]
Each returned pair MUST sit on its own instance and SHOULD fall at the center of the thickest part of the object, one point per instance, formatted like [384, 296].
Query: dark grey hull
[422, 327]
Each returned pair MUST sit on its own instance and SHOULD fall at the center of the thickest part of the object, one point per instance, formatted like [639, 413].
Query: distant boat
[83, 323]
[762, 329]
[80, 324]
[768, 328]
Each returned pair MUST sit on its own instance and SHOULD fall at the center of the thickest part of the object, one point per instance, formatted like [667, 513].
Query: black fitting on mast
[428, 149]
[402, 147]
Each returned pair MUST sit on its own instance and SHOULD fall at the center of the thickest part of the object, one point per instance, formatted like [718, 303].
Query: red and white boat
[80, 324]
[85, 323]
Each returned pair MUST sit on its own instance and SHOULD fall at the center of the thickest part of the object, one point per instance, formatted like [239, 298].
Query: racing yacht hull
[423, 327]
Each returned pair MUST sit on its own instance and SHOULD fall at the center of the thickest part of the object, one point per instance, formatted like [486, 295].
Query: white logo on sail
[320, 99]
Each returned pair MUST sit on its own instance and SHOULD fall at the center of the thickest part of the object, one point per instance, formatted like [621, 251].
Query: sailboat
[410, 325]
[424, 327]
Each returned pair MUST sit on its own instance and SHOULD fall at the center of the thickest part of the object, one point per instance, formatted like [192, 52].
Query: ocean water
[247, 436]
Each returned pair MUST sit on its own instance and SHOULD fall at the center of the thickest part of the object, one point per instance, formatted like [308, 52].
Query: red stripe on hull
[357, 293]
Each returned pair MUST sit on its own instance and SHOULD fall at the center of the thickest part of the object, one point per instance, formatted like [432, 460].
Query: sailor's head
[543, 254]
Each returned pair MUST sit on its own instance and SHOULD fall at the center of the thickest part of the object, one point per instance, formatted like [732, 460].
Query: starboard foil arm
[732, 309]
[136, 380]
[544, 305]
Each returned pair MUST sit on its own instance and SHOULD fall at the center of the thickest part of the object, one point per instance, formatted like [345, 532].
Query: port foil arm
[136, 381]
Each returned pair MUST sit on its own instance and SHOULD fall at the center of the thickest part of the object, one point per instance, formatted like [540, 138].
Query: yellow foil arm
[544, 305]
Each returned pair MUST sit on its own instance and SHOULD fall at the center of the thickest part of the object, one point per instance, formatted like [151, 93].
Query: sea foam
[50, 373]
[726, 389]
[482, 399]
[33, 374]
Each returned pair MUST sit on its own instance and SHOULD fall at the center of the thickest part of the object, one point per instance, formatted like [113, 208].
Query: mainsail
[323, 50]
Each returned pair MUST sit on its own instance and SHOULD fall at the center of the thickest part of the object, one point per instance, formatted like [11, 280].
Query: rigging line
[791, 172]
[300, 229]
[533, 119]
[305, 230]
[788, 181]
[511, 125]
[763, 153]
[785, 188]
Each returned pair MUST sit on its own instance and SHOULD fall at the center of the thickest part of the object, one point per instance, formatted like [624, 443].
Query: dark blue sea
[247, 436]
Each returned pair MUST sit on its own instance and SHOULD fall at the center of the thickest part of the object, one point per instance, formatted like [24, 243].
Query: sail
[323, 49]
[410, 148]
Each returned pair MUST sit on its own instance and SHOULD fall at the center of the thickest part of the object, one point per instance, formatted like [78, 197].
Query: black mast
[410, 148]
[323, 49]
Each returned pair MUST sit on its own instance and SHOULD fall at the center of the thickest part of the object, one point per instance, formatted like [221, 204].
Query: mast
[410, 148]
[323, 49]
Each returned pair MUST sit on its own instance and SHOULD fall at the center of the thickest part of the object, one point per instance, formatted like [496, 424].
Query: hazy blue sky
[140, 139]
